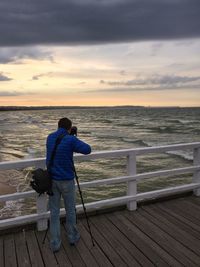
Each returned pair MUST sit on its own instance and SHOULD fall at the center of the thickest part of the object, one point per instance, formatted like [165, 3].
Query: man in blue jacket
[62, 173]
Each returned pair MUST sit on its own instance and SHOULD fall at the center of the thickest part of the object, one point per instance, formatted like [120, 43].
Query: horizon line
[101, 106]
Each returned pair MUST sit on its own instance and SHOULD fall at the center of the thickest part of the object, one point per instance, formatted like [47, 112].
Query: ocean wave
[31, 153]
[188, 121]
[127, 124]
[11, 209]
[138, 141]
[85, 132]
[31, 120]
[4, 120]
[103, 121]
[182, 121]
[197, 131]
[162, 129]
[17, 154]
[182, 154]
[173, 121]
[107, 135]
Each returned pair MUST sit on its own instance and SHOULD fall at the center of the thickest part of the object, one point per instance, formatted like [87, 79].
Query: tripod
[84, 209]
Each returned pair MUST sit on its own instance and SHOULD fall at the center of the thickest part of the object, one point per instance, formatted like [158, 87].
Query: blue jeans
[66, 188]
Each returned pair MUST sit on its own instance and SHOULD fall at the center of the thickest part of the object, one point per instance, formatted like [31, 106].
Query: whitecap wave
[182, 154]
[11, 209]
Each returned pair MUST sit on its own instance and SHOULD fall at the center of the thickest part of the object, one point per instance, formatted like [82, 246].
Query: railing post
[196, 175]
[42, 207]
[132, 185]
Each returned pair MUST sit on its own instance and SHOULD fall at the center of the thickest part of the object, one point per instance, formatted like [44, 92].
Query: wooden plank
[71, 251]
[186, 212]
[62, 258]
[130, 246]
[61, 255]
[148, 246]
[178, 220]
[9, 251]
[1, 252]
[173, 247]
[181, 215]
[21, 250]
[107, 230]
[195, 199]
[46, 253]
[190, 242]
[174, 238]
[113, 256]
[193, 206]
[96, 251]
[86, 254]
[34, 250]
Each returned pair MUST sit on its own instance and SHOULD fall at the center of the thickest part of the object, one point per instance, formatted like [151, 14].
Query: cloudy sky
[94, 53]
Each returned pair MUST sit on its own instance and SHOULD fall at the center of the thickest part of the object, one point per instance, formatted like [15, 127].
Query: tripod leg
[84, 209]
[46, 233]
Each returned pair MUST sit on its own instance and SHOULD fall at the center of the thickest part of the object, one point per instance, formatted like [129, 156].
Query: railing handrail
[131, 179]
[116, 180]
[20, 164]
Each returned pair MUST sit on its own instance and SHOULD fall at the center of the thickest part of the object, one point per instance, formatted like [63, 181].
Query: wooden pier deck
[160, 234]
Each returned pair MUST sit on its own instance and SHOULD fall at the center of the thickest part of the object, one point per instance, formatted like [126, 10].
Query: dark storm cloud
[155, 80]
[77, 22]
[4, 78]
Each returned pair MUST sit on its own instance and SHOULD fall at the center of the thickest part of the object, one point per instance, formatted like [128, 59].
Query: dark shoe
[55, 247]
[55, 250]
[75, 242]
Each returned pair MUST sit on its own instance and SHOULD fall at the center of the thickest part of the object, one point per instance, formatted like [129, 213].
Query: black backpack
[41, 179]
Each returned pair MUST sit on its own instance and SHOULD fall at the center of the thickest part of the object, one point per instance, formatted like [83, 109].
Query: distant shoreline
[19, 108]
[15, 108]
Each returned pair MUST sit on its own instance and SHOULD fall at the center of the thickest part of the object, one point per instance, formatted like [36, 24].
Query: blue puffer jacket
[62, 168]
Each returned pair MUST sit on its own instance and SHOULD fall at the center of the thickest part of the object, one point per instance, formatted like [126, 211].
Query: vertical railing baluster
[41, 203]
[132, 185]
[196, 175]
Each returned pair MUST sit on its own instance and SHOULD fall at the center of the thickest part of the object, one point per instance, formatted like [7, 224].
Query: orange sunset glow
[97, 76]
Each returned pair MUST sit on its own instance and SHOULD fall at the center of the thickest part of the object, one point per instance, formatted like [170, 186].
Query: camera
[74, 131]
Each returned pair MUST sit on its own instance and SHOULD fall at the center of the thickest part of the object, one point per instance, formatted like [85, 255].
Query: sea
[23, 136]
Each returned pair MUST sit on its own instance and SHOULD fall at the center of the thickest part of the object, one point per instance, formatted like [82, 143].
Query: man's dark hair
[65, 123]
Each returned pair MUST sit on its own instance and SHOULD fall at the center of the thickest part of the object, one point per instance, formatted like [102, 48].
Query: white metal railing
[130, 199]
